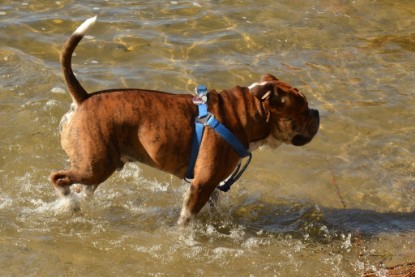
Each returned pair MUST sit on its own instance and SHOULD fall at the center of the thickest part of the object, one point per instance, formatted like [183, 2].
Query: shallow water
[341, 205]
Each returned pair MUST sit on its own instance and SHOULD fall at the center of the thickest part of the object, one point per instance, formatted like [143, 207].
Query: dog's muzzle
[310, 130]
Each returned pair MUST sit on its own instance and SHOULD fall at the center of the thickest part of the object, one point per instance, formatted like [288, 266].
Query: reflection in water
[342, 205]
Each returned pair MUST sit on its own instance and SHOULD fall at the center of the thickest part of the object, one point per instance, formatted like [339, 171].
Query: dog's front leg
[194, 200]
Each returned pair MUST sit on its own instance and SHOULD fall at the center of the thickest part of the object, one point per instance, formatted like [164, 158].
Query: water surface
[339, 206]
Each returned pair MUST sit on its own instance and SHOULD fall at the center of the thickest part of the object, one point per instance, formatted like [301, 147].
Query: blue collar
[205, 118]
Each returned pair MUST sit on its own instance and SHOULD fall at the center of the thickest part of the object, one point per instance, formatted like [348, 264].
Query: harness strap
[226, 185]
[200, 101]
[207, 119]
[197, 140]
[227, 136]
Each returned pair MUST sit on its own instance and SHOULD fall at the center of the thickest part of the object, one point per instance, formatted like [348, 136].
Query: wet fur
[108, 128]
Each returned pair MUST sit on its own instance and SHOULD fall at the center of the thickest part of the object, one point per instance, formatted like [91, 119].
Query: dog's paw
[72, 203]
[77, 188]
[185, 217]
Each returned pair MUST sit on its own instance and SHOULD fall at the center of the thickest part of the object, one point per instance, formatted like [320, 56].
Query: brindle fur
[112, 127]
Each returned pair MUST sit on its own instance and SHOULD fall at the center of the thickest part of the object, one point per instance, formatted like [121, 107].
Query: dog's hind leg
[90, 175]
[89, 190]
[62, 181]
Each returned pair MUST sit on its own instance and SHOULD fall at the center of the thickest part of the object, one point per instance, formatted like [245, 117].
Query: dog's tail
[77, 92]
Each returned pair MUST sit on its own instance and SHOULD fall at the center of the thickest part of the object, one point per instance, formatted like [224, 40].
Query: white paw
[72, 202]
[185, 217]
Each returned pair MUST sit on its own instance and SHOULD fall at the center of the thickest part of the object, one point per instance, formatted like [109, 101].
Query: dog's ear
[262, 91]
[269, 92]
[268, 77]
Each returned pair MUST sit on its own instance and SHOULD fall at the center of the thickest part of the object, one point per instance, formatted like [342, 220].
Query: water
[339, 206]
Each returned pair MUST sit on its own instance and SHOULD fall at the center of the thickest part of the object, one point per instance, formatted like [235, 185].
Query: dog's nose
[300, 140]
[316, 121]
[311, 129]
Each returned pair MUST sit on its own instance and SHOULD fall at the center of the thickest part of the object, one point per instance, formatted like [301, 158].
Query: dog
[106, 129]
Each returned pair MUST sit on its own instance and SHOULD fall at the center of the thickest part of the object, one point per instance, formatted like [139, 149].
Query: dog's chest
[269, 141]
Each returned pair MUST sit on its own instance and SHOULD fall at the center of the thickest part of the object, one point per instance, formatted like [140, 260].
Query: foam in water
[5, 202]
[58, 90]
[60, 206]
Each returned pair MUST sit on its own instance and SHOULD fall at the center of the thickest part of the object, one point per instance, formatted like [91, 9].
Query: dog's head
[292, 121]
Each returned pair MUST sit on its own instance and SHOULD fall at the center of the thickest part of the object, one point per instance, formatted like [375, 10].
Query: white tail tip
[81, 30]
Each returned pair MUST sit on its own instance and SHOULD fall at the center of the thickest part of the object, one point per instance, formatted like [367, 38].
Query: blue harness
[205, 118]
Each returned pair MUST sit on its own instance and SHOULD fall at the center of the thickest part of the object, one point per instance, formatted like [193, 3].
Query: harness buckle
[201, 95]
[201, 89]
[200, 99]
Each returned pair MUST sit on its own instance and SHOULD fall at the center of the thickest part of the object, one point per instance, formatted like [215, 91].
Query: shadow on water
[311, 222]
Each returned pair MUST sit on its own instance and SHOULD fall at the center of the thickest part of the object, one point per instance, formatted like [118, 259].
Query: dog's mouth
[300, 140]
[310, 131]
